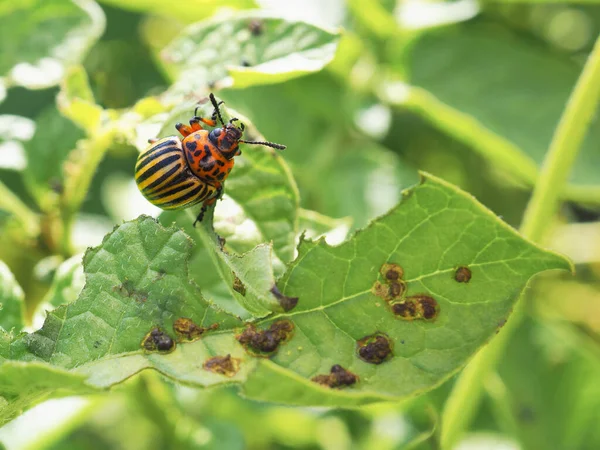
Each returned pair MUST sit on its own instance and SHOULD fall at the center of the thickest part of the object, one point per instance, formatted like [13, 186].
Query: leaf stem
[570, 132]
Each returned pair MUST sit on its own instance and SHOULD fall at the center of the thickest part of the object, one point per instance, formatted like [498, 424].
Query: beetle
[176, 173]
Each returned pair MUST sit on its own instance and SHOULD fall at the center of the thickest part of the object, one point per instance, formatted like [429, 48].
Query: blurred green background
[469, 91]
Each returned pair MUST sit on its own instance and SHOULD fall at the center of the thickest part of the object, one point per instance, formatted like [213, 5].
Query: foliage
[354, 271]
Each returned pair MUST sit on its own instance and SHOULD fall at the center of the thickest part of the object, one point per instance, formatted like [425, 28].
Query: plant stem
[11, 203]
[87, 157]
[579, 111]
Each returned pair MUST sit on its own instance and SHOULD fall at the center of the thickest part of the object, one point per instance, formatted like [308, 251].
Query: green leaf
[493, 76]
[24, 384]
[188, 11]
[556, 400]
[41, 38]
[76, 100]
[137, 281]
[54, 139]
[67, 283]
[251, 48]
[432, 234]
[12, 306]
[2, 89]
[249, 277]
[373, 16]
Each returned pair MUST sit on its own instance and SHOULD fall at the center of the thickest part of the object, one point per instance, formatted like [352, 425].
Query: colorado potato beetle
[175, 174]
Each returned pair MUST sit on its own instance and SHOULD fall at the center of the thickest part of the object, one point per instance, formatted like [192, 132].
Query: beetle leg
[195, 125]
[185, 130]
[200, 214]
[209, 202]
[209, 122]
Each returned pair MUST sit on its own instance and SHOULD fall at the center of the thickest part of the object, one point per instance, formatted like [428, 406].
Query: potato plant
[401, 276]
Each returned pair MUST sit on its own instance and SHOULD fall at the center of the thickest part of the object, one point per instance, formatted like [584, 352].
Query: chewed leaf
[392, 305]
[42, 37]
[135, 281]
[251, 47]
[391, 312]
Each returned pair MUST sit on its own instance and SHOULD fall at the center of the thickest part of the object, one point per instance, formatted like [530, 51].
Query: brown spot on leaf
[393, 287]
[238, 286]
[265, 341]
[338, 377]
[375, 348]
[389, 292]
[224, 365]
[462, 274]
[392, 272]
[418, 306]
[187, 330]
[287, 303]
[396, 289]
[158, 341]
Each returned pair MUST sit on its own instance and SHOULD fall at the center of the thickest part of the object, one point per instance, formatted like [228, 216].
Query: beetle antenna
[267, 144]
[213, 100]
